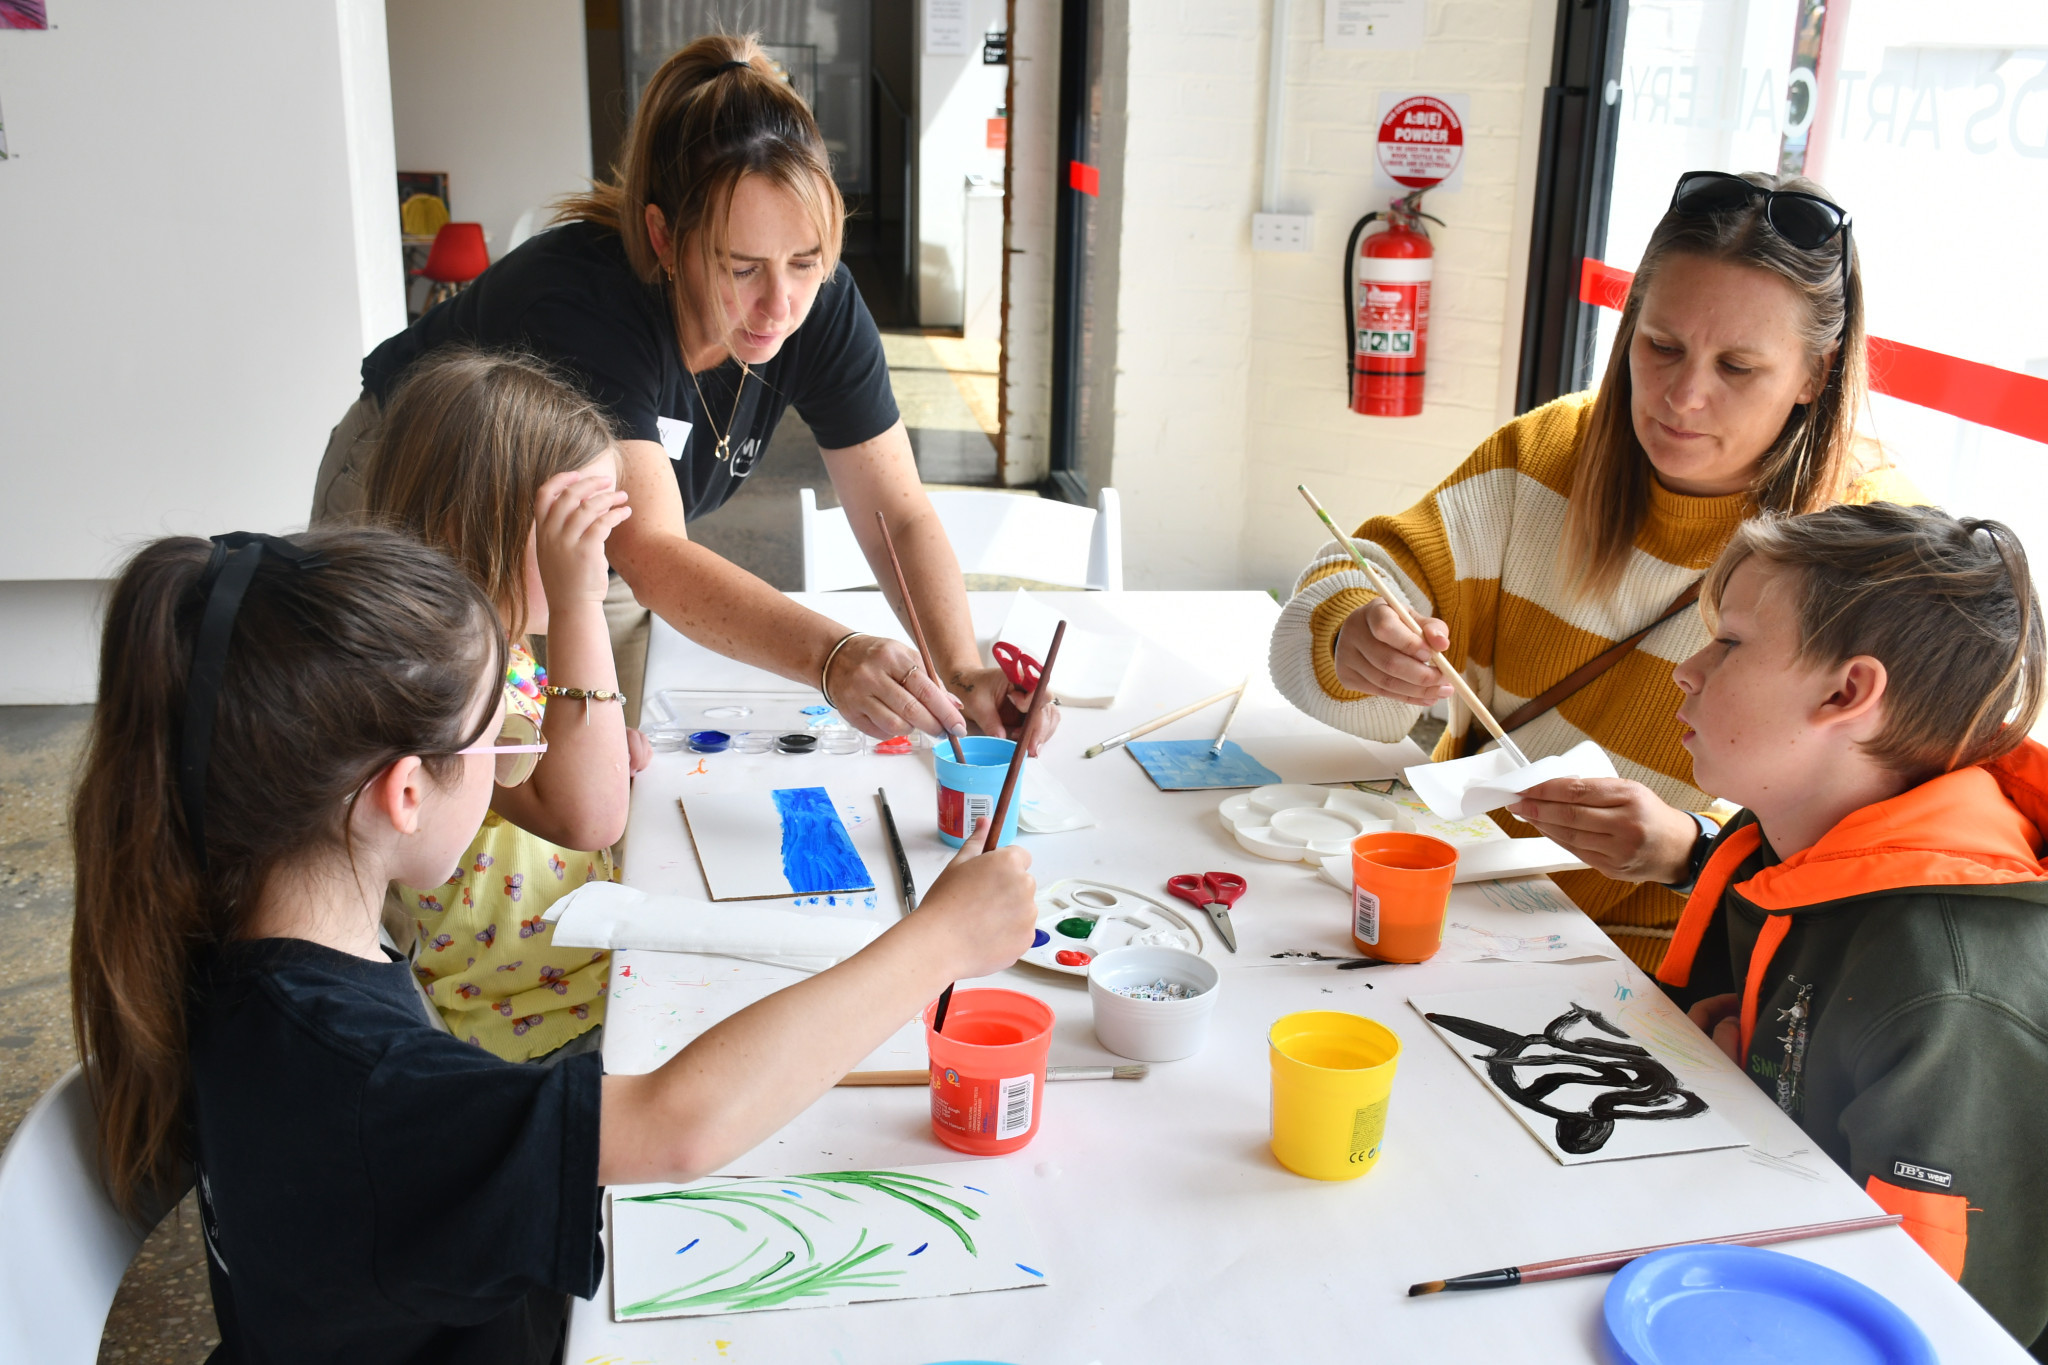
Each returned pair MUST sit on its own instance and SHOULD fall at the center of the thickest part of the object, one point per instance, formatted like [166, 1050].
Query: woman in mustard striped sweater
[1734, 384]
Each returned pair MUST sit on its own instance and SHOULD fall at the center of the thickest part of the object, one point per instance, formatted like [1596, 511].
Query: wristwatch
[1702, 845]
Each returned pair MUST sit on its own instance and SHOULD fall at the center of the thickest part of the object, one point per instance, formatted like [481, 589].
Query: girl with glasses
[370, 1187]
[514, 475]
[1556, 567]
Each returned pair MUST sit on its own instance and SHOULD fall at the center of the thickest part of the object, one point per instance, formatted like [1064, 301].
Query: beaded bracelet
[586, 695]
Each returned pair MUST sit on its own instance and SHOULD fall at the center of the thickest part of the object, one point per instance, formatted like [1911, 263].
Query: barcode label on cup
[976, 806]
[1365, 915]
[1014, 1117]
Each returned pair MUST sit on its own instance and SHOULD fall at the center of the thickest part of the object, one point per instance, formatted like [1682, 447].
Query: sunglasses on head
[1807, 221]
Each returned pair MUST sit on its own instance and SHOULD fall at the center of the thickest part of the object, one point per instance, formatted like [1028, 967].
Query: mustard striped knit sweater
[1481, 552]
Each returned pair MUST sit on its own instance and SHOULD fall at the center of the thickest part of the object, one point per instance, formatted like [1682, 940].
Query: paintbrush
[1002, 811]
[1216, 749]
[924, 651]
[1610, 1261]
[1451, 675]
[1169, 718]
[896, 848]
[1136, 1071]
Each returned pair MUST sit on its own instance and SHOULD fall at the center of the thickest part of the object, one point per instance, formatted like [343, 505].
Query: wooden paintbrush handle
[924, 651]
[1615, 1260]
[886, 1078]
[1038, 696]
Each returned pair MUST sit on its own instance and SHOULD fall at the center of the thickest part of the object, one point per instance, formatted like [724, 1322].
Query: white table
[1171, 1234]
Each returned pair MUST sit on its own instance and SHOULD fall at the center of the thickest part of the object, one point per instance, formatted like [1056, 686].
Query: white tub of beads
[1152, 1004]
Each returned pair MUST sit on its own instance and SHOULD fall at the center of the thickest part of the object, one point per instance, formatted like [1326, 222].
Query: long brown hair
[715, 112]
[332, 674]
[1945, 603]
[1813, 459]
[462, 450]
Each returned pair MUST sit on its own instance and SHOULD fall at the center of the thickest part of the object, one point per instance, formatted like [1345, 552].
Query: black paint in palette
[1632, 1082]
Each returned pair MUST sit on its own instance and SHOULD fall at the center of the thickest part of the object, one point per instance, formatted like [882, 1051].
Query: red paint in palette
[1069, 957]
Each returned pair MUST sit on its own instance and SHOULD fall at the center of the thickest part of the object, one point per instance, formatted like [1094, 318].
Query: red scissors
[1023, 672]
[1215, 892]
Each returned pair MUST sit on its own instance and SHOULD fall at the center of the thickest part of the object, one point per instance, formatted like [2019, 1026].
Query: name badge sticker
[675, 436]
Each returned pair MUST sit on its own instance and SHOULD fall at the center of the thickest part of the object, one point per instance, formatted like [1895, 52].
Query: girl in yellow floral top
[494, 460]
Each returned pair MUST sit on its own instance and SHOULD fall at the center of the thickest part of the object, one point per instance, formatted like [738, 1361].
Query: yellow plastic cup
[1332, 1076]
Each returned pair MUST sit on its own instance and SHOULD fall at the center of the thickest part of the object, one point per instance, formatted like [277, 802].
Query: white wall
[497, 95]
[956, 96]
[1231, 384]
[192, 272]
[1028, 243]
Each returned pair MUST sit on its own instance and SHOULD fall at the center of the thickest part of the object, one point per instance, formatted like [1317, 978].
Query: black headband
[729, 66]
[225, 581]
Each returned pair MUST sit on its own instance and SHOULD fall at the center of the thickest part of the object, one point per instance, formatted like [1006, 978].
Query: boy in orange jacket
[1868, 939]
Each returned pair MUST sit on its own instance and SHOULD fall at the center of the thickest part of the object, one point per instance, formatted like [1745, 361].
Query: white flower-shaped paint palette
[1296, 823]
[1079, 919]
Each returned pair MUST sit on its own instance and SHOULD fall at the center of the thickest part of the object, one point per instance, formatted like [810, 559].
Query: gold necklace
[724, 451]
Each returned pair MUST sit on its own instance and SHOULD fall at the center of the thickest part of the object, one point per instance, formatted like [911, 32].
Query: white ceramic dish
[1118, 917]
[1295, 823]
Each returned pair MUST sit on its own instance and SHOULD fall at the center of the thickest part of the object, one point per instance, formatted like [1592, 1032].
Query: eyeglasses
[1807, 221]
[518, 749]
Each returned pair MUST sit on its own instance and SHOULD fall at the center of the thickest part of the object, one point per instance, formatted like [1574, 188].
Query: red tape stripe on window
[1085, 178]
[1978, 393]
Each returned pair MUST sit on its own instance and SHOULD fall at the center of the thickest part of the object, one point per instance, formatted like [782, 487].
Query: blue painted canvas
[790, 842]
[1180, 765]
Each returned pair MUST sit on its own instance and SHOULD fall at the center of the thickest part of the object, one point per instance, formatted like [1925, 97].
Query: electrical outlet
[1281, 231]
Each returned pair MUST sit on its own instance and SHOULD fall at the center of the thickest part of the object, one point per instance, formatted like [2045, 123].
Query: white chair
[63, 1244]
[1007, 535]
[523, 228]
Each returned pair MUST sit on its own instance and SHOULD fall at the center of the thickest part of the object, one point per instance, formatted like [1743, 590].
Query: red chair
[457, 257]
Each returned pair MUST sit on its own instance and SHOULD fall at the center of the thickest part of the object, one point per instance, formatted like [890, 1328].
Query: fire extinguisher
[1386, 309]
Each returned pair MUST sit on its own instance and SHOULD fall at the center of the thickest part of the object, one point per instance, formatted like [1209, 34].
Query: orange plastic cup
[988, 1070]
[1401, 892]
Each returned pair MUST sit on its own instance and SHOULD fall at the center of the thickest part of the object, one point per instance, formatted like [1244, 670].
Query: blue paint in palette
[817, 853]
[1178, 765]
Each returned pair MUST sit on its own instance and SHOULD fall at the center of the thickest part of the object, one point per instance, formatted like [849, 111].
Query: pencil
[924, 651]
[1134, 1071]
[1607, 1262]
[1216, 749]
[1169, 718]
[1002, 811]
[1387, 594]
[896, 848]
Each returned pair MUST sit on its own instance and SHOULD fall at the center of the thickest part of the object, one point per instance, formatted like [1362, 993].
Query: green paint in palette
[1078, 928]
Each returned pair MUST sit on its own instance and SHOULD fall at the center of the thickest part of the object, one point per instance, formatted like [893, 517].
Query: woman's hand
[1620, 829]
[573, 514]
[982, 692]
[639, 753]
[881, 689]
[982, 903]
[1719, 1018]
[1378, 655]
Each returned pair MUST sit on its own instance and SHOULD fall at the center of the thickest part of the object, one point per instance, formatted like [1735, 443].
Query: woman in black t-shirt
[698, 296]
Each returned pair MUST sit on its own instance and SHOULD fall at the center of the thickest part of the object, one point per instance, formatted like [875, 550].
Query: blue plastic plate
[1723, 1305]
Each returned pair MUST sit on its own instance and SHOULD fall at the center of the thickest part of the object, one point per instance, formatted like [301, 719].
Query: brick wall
[1230, 385]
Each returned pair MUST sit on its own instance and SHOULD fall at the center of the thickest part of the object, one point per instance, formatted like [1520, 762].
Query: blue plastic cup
[969, 790]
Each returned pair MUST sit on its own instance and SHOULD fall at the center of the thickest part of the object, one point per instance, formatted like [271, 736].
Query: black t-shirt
[373, 1189]
[569, 296]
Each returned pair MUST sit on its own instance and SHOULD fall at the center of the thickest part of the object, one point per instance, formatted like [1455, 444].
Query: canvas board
[761, 844]
[1592, 1079]
[1254, 760]
[746, 1244]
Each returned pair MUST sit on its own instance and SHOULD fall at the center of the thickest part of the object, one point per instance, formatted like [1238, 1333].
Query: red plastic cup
[988, 1070]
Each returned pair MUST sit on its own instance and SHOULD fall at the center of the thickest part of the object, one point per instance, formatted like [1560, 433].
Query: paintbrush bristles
[1416, 1291]
[924, 651]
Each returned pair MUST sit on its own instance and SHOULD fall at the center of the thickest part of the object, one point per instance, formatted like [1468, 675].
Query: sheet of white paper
[742, 1245]
[1654, 1106]
[1328, 757]
[759, 844]
[607, 915]
[1045, 806]
[1092, 667]
[1486, 781]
